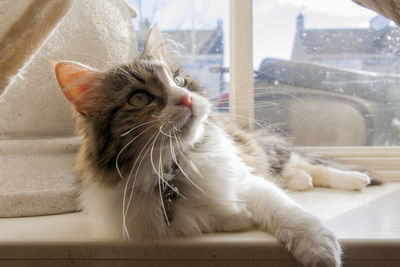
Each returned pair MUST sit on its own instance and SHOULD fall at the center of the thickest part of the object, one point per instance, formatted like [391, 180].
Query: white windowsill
[367, 223]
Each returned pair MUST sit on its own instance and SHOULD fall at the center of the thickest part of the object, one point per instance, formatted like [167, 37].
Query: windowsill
[367, 224]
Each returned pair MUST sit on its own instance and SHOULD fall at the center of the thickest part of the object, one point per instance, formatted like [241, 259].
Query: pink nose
[185, 101]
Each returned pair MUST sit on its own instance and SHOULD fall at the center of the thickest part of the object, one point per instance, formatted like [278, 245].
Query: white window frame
[241, 84]
[385, 160]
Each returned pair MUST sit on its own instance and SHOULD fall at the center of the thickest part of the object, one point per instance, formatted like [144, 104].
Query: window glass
[327, 72]
[196, 31]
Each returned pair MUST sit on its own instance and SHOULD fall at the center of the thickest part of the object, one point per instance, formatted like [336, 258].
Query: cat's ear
[155, 45]
[77, 82]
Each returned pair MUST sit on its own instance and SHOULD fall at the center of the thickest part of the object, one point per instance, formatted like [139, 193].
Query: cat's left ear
[78, 83]
[155, 45]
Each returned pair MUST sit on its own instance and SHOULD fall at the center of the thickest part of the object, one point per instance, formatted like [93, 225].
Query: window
[327, 72]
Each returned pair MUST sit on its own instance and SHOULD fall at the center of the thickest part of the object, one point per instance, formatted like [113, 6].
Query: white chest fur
[211, 178]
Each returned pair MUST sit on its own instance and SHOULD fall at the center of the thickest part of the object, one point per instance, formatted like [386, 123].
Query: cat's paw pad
[318, 249]
[299, 181]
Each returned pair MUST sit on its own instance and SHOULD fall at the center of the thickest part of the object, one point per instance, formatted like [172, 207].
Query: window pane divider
[241, 88]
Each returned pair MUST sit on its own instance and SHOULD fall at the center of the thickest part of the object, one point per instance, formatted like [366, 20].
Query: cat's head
[141, 104]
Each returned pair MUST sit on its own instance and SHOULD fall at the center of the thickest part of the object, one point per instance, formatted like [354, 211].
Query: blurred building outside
[375, 49]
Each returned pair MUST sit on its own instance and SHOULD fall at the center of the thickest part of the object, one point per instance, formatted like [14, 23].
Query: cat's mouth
[192, 129]
[183, 121]
[187, 124]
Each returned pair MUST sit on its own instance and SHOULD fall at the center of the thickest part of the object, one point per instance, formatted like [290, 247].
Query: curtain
[387, 8]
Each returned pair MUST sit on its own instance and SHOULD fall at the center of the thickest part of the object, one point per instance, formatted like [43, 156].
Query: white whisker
[162, 202]
[137, 126]
[154, 168]
[164, 133]
[159, 177]
[123, 149]
[125, 209]
[182, 171]
[179, 148]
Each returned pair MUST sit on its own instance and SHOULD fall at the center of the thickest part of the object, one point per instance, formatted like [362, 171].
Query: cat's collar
[169, 191]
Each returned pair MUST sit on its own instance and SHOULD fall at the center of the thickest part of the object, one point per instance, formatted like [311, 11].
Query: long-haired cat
[156, 162]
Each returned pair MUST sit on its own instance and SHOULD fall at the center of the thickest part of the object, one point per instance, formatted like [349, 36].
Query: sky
[274, 20]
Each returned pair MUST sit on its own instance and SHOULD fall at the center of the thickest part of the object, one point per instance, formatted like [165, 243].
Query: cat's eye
[179, 80]
[140, 99]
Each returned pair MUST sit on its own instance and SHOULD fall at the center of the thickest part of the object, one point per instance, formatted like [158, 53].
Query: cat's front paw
[317, 248]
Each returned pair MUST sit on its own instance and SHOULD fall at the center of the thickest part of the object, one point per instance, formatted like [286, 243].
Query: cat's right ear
[77, 82]
[155, 45]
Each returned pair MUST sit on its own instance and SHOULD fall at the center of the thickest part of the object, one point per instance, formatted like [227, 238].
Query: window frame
[241, 81]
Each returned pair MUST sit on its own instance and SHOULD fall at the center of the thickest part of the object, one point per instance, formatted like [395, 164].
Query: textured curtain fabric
[387, 8]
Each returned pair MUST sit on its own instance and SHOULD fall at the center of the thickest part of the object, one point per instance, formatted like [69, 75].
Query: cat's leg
[310, 242]
[346, 180]
[297, 168]
[236, 222]
[100, 207]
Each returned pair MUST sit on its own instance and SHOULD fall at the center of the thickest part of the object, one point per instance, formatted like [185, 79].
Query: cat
[156, 162]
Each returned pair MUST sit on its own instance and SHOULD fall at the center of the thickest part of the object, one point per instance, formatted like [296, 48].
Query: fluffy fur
[141, 119]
